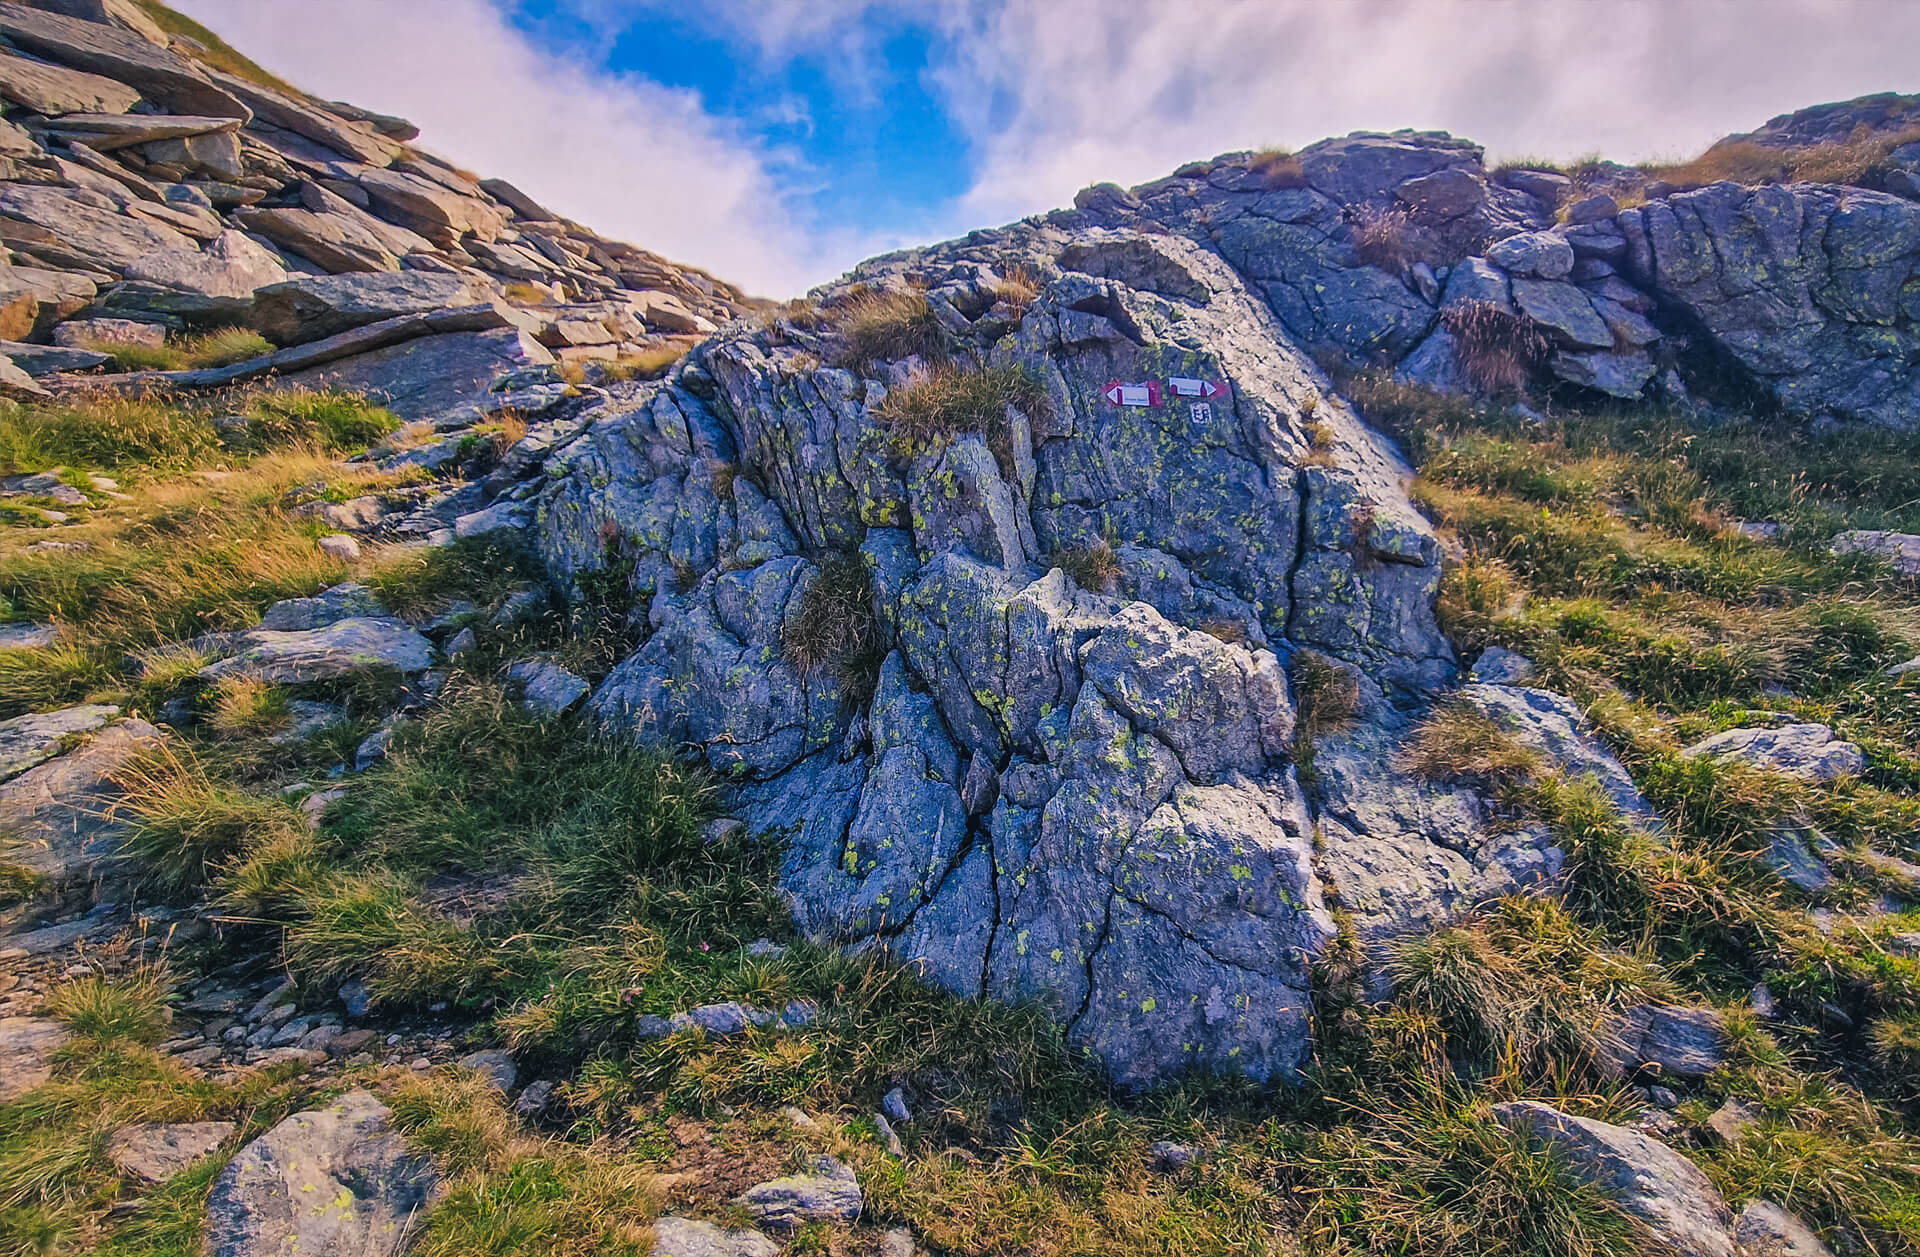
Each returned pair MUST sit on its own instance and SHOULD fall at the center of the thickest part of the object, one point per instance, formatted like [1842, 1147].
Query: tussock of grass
[183, 826]
[1382, 237]
[835, 626]
[1500, 352]
[1861, 159]
[645, 364]
[1094, 568]
[1279, 167]
[949, 401]
[885, 325]
[218, 348]
[131, 1008]
[1458, 742]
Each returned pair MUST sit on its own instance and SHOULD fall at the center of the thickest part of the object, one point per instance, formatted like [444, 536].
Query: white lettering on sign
[1201, 413]
[1183, 387]
[1135, 395]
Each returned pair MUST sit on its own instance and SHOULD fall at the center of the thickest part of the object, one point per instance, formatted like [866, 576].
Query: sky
[777, 142]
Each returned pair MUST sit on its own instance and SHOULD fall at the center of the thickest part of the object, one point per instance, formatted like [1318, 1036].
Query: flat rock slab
[546, 688]
[39, 360]
[685, 1237]
[831, 1193]
[432, 377]
[1764, 1229]
[156, 1152]
[329, 606]
[1649, 1180]
[28, 636]
[332, 1182]
[354, 646]
[27, 1045]
[314, 306]
[34, 739]
[1810, 751]
[1900, 549]
[1679, 1042]
[59, 811]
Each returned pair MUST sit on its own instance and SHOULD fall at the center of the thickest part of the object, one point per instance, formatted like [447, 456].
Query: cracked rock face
[1084, 797]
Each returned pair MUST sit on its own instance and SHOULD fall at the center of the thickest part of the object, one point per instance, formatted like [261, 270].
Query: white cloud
[1056, 94]
[1062, 93]
[626, 156]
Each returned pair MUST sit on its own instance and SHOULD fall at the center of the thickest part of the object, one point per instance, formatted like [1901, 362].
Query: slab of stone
[1764, 1229]
[1648, 1179]
[27, 1045]
[546, 688]
[39, 360]
[160, 75]
[28, 636]
[687, 1237]
[36, 738]
[155, 1152]
[432, 377]
[829, 1193]
[357, 645]
[53, 90]
[312, 307]
[59, 812]
[1809, 751]
[330, 606]
[331, 1182]
[1678, 1042]
[1901, 550]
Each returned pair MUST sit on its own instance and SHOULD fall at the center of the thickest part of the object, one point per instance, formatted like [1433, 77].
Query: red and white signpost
[1184, 386]
[1146, 394]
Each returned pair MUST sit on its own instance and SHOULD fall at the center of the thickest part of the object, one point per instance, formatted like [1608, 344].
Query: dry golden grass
[1858, 160]
[1279, 167]
[1457, 742]
[1500, 352]
[1018, 287]
[885, 325]
[183, 555]
[647, 364]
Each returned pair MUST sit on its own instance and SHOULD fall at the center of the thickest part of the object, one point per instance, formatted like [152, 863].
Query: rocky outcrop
[1811, 751]
[1036, 790]
[140, 182]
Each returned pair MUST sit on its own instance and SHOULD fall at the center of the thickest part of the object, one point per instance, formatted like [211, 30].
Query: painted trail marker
[1147, 394]
[1185, 386]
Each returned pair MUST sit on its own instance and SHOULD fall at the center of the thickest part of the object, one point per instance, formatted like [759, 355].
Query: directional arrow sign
[1147, 394]
[1184, 386]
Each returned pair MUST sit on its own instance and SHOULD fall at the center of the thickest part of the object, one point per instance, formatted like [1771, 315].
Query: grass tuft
[885, 325]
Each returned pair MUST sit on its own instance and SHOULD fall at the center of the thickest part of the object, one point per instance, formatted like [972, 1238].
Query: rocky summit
[1336, 701]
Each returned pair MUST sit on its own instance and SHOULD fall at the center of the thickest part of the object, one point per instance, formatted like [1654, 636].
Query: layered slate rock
[332, 1182]
[1084, 797]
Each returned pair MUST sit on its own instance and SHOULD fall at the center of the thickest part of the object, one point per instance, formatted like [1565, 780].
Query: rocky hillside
[1338, 701]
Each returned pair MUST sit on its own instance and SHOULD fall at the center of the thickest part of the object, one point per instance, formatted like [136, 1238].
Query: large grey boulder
[546, 688]
[1803, 284]
[331, 1182]
[312, 306]
[828, 1193]
[215, 284]
[1075, 796]
[354, 646]
[1651, 1181]
[1810, 751]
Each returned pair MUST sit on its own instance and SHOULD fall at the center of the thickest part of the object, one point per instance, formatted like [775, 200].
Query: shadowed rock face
[1083, 797]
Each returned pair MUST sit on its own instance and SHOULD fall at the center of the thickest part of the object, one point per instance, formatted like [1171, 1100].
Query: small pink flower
[704, 947]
